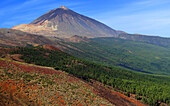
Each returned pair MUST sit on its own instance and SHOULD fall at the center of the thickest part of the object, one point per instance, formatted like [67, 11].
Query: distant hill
[155, 40]
[11, 37]
[137, 56]
[63, 22]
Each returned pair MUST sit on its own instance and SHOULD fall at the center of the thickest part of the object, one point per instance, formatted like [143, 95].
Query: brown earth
[97, 88]
[12, 38]
[112, 96]
[36, 85]
[77, 39]
[51, 48]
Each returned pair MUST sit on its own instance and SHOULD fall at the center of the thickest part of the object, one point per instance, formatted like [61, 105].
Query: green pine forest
[150, 88]
[137, 56]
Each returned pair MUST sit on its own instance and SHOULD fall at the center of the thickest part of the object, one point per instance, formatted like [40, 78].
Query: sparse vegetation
[27, 86]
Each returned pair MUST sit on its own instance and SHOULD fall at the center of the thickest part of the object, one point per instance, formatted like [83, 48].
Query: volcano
[63, 22]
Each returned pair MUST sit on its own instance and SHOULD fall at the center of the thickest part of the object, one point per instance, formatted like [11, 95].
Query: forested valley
[137, 56]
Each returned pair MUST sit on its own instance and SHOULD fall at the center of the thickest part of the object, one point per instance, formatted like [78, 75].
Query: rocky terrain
[77, 39]
[11, 37]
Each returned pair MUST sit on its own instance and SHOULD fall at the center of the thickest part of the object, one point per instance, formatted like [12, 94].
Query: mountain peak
[65, 23]
[63, 7]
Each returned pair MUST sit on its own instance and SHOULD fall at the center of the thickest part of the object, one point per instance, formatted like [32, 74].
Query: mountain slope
[136, 56]
[26, 84]
[10, 37]
[154, 40]
[146, 87]
[63, 22]
[77, 39]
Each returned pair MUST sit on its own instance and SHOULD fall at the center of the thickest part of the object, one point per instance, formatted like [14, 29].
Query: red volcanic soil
[112, 96]
[51, 48]
[15, 93]
[26, 68]
[128, 98]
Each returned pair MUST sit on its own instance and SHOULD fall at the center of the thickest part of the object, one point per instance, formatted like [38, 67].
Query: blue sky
[150, 17]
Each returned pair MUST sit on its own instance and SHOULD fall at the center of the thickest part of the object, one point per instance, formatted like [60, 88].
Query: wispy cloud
[147, 3]
[140, 17]
[27, 11]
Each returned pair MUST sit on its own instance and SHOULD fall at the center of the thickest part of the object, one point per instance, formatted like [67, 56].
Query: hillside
[28, 84]
[144, 87]
[77, 39]
[154, 40]
[23, 84]
[133, 55]
[10, 37]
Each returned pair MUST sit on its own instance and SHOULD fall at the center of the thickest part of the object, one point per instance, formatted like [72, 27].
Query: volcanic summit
[63, 22]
